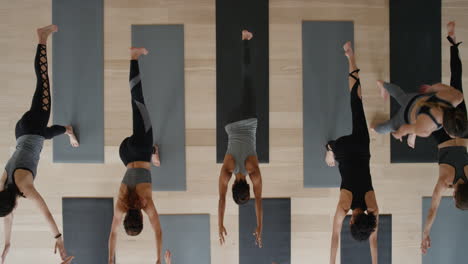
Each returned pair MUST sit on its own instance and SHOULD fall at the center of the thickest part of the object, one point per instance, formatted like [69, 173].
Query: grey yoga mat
[86, 226]
[326, 107]
[449, 233]
[78, 79]
[162, 77]
[187, 237]
[276, 232]
[354, 252]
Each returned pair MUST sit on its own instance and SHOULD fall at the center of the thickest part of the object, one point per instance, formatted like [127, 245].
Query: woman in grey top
[137, 152]
[31, 131]
[241, 155]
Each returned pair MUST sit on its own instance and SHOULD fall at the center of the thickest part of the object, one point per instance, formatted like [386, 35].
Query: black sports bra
[427, 110]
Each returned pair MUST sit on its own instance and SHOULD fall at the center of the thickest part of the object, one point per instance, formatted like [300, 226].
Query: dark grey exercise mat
[415, 59]
[449, 234]
[326, 103]
[187, 237]
[86, 227]
[231, 18]
[78, 79]
[162, 77]
[354, 252]
[276, 232]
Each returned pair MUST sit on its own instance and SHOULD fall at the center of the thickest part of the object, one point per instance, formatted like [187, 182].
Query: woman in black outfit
[453, 157]
[31, 131]
[137, 152]
[353, 155]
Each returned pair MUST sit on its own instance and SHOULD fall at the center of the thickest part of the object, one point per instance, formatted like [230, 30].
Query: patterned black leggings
[35, 120]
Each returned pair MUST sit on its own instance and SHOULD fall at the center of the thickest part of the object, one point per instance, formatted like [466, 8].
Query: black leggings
[247, 108]
[358, 142]
[139, 146]
[456, 82]
[34, 121]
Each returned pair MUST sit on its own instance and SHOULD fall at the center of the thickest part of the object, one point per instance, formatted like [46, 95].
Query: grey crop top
[26, 156]
[242, 142]
[135, 176]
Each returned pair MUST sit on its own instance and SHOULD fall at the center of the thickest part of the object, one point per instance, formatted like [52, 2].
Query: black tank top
[356, 178]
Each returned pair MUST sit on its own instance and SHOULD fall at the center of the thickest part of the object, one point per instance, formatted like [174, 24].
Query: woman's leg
[360, 130]
[249, 107]
[455, 62]
[142, 128]
[35, 120]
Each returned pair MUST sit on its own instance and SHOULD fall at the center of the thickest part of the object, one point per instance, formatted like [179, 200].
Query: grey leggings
[399, 118]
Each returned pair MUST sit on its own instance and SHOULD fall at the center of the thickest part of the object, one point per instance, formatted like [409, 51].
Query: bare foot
[330, 158]
[73, 140]
[135, 53]
[155, 157]
[168, 257]
[451, 30]
[383, 92]
[348, 48]
[246, 35]
[44, 32]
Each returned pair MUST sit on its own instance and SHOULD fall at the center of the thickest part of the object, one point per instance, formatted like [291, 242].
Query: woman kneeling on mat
[421, 114]
[137, 152]
[353, 156]
[453, 157]
[31, 131]
[241, 156]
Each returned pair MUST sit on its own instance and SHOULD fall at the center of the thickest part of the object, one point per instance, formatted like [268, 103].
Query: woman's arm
[440, 187]
[256, 178]
[223, 185]
[372, 207]
[156, 225]
[116, 221]
[448, 93]
[8, 224]
[420, 128]
[340, 214]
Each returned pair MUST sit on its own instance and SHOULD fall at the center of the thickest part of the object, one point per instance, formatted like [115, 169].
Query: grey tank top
[242, 142]
[26, 156]
[135, 176]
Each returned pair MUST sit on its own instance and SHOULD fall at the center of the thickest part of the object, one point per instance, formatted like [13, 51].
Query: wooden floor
[399, 188]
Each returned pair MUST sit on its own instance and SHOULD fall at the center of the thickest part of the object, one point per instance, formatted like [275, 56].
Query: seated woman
[137, 152]
[353, 156]
[31, 131]
[453, 157]
[241, 156]
[421, 114]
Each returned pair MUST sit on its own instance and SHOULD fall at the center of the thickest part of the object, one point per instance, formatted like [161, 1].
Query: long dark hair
[8, 199]
[133, 222]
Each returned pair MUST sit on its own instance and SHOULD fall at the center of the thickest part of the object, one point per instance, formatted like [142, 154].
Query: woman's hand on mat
[411, 140]
[258, 237]
[68, 260]
[61, 249]
[6, 249]
[222, 233]
[168, 257]
[426, 243]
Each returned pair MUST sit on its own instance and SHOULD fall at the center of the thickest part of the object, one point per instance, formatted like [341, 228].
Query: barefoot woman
[241, 156]
[353, 156]
[137, 152]
[31, 131]
[453, 158]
